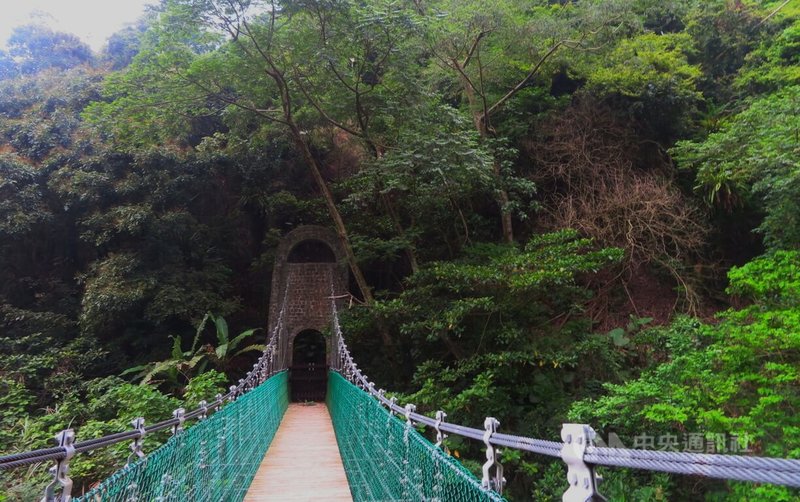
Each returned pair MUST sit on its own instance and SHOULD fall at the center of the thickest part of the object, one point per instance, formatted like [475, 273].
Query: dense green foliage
[732, 381]
[553, 211]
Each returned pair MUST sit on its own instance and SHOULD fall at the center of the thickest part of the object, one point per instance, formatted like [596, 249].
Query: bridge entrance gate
[310, 271]
[308, 374]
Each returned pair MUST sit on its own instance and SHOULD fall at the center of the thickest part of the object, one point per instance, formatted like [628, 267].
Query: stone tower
[309, 266]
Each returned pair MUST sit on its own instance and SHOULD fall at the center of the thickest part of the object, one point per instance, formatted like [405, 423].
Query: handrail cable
[261, 371]
[577, 447]
[777, 471]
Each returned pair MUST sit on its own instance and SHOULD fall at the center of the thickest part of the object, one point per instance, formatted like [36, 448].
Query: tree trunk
[502, 195]
[479, 119]
[398, 227]
[338, 222]
[503, 201]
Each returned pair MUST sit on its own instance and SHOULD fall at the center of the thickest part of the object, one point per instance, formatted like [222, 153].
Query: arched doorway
[311, 251]
[308, 378]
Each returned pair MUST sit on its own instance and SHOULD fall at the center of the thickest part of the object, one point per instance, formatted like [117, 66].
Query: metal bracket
[203, 405]
[179, 414]
[218, 400]
[60, 471]
[440, 436]
[136, 446]
[232, 396]
[582, 479]
[497, 481]
[392, 402]
[410, 408]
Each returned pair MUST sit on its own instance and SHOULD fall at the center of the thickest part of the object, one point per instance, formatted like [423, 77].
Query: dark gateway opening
[308, 377]
[311, 251]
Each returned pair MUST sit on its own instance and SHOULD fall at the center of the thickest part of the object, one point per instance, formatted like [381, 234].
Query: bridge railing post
[136, 446]
[494, 482]
[440, 436]
[580, 475]
[180, 415]
[60, 471]
[406, 480]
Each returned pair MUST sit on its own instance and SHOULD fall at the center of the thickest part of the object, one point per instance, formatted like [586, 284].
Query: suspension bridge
[270, 437]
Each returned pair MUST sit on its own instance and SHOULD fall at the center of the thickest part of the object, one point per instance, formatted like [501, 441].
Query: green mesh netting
[387, 460]
[213, 461]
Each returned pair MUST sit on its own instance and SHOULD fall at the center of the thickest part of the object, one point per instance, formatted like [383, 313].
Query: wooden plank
[303, 461]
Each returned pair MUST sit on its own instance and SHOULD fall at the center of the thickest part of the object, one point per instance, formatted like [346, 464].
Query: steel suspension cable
[776, 471]
[264, 371]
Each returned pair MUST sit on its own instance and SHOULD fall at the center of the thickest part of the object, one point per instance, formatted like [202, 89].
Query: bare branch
[522, 83]
[456, 66]
[482, 93]
[324, 114]
[474, 47]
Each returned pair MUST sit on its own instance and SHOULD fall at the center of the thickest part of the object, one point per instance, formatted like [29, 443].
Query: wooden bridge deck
[303, 461]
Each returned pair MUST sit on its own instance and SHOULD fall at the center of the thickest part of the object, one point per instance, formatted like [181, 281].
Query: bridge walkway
[303, 462]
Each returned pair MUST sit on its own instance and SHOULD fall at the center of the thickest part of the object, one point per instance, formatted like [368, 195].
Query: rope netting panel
[213, 461]
[387, 459]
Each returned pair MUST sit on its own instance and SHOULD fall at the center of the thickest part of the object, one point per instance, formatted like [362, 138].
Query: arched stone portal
[308, 373]
[311, 251]
[310, 273]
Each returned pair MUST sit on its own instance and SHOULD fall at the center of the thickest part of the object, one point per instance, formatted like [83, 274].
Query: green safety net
[213, 461]
[385, 459]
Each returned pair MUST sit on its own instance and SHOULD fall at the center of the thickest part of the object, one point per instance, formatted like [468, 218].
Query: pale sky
[93, 21]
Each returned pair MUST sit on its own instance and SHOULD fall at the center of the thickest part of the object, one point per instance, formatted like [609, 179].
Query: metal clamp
[180, 415]
[581, 476]
[410, 408]
[392, 402]
[136, 446]
[60, 471]
[497, 481]
[203, 405]
[232, 395]
[440, 436]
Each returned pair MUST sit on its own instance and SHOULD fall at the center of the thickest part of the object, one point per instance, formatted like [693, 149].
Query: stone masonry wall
[306, 288]
[309, 295]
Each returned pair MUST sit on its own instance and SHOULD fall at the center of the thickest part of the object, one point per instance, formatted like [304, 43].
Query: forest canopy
[551, 211]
